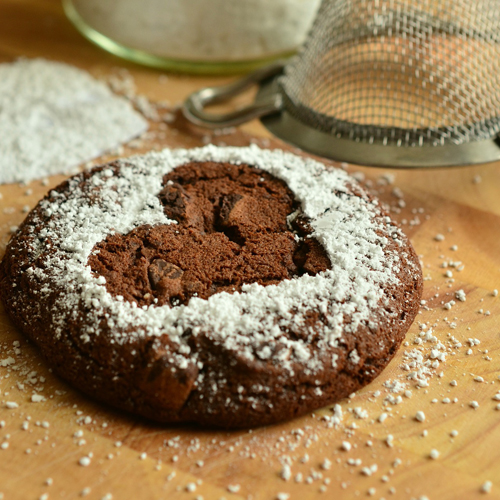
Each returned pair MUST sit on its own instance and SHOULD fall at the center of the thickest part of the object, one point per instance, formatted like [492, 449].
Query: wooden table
[41, 443]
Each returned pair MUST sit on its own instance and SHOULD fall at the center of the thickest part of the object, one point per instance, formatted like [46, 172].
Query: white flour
[203, 30]
[54, 117]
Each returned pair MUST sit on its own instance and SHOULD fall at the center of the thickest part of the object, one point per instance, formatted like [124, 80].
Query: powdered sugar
[54, 116]
[349, 228]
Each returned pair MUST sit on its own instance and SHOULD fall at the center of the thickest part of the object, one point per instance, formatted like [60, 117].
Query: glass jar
[197, 36]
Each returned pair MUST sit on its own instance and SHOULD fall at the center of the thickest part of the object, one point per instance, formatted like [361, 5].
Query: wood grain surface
[41, 443]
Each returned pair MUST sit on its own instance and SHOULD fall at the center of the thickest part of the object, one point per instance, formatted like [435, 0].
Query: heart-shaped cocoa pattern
[231, 230]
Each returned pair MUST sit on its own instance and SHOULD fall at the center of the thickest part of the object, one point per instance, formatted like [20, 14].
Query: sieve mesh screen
[403, 72]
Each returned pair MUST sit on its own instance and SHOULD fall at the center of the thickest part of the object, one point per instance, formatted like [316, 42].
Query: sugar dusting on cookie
[349, 227]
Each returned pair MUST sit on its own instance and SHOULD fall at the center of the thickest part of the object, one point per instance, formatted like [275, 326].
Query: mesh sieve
[417, 81]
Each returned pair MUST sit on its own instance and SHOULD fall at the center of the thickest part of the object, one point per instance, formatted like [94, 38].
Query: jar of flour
[210, 36]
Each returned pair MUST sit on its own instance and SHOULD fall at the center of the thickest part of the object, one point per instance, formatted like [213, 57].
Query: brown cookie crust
[231, 216]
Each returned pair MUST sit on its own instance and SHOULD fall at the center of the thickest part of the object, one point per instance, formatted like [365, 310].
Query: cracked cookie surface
[231, 230]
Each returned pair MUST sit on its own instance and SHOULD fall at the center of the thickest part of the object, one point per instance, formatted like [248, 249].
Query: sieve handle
[195, 104]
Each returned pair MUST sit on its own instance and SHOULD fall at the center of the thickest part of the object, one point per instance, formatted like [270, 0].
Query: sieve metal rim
[274, 115]
[288, 128]
[400, 137]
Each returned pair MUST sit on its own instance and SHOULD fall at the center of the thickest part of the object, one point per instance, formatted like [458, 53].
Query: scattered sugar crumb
[326, 464]
[286, 472]
[486, 487]
[84, 461]
[368, 471]
[346, 446]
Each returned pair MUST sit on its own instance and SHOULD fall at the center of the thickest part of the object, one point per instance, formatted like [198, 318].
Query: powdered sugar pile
[344, 224]
[54, 117]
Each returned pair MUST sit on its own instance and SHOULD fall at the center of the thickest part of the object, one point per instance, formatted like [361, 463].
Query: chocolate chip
[160, 270]
[228, 221]
[227, 204]
[173, 197]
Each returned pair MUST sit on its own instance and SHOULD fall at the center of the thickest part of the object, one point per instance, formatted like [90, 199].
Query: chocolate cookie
[224, 286]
